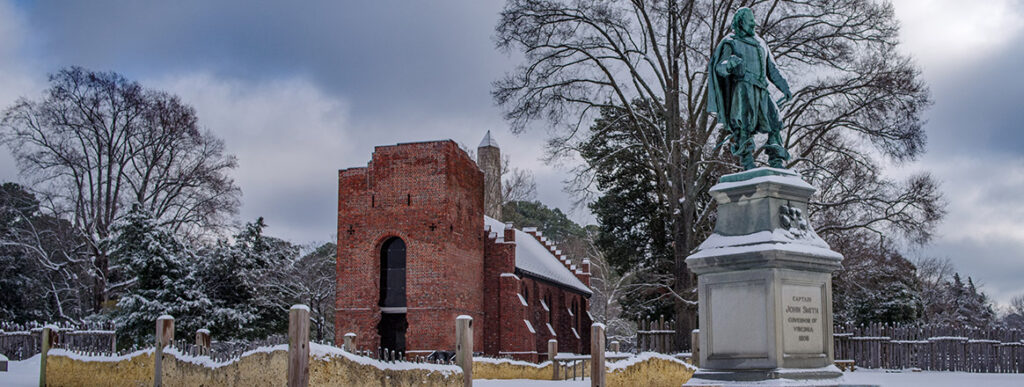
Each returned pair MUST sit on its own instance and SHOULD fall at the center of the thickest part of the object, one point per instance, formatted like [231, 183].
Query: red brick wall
[499, 258]
[559, 318]
[429, 194]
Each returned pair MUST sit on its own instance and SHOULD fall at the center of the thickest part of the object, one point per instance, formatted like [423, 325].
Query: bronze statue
[738, 76]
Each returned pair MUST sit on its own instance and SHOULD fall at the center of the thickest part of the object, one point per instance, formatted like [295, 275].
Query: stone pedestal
[764, 283]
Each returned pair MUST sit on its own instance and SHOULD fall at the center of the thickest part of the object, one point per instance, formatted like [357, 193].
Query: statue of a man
[738, 76]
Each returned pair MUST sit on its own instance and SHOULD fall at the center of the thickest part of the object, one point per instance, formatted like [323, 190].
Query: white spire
[488, 141]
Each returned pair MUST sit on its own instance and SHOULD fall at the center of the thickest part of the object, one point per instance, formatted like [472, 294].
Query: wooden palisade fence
[655, 336]
[21, 341]
[931, 347]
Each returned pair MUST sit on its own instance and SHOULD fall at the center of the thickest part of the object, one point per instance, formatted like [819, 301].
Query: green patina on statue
[739, 71]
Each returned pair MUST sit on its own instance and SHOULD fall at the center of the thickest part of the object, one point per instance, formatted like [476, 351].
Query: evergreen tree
[551, 221]
[635, 230]
[961, 304]
[876, 284]
[978, 309]
[237, 277]
[42, 275]
[162, 281]
[18, 284]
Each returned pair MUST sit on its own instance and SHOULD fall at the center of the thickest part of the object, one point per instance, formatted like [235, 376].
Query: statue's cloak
[719, 87]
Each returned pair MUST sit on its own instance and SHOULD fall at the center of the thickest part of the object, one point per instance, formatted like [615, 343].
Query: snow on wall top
[534, 258]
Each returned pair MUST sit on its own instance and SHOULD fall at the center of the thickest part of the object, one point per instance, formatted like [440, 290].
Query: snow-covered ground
[26, 373]
[23, 373]
[931, 378]
[860, 377]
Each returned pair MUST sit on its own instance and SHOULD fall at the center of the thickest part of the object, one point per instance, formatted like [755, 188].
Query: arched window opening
[392, 273]
[576, 315]
[393, 324]
[551, 309]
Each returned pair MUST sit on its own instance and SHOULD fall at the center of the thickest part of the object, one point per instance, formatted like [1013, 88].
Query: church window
[392, 273]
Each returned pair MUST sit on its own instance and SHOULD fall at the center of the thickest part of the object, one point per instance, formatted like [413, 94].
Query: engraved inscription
[801, 319]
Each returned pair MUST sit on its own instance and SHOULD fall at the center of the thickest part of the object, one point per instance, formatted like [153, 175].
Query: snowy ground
[23, 373]
[860, 377]
[26, 373]
[931, 378]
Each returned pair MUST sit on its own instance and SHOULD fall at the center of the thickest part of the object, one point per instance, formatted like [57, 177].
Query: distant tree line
[127, 214]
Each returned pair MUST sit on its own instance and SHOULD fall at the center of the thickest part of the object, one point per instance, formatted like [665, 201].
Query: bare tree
[517, 184]
[856, 98]
[1017, 305]
[933, 271]
[310, 280]
[96, 143]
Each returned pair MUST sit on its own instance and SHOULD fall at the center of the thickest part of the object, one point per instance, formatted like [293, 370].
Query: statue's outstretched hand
[735, 65]
[786, 96]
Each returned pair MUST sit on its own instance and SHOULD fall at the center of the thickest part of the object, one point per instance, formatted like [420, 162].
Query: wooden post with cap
[552, 353]
[597, 355]
[464, 347]
[164, 337]
[298, 346]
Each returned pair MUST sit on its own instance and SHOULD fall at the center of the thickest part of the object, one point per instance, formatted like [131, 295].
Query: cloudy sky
[298, 92]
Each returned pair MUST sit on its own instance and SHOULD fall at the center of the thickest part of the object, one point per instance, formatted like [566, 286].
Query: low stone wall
[328, 366]
[491, 368]
[64, 368]
[649, 370]
[263, 367]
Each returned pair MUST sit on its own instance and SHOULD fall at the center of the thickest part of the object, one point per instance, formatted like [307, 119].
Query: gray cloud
[978, 110]
[390, 56]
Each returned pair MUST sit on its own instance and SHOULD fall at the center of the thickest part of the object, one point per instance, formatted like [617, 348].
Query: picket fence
[931, 347]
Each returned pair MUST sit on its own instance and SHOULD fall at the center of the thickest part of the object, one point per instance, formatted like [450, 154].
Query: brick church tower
[425, 199]
[416, 250]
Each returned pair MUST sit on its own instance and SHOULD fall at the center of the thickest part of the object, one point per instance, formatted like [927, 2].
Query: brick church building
[416, 249]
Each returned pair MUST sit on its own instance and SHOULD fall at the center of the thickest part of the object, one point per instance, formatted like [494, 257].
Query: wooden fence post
[203, 341]
[298, 346]
[350, 342]
[695, 347]
[464, 347]
[552, 353]
[614, 346]
[597, 369]
[164, 337]
[46, 337]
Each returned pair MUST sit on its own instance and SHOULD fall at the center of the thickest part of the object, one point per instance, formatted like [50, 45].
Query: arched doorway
[393, 324]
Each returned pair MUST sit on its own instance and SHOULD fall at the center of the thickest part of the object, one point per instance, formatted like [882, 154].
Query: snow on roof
[488, 141]
[534, 258]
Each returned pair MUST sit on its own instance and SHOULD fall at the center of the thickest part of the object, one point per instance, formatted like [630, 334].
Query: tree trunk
[678, 174]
